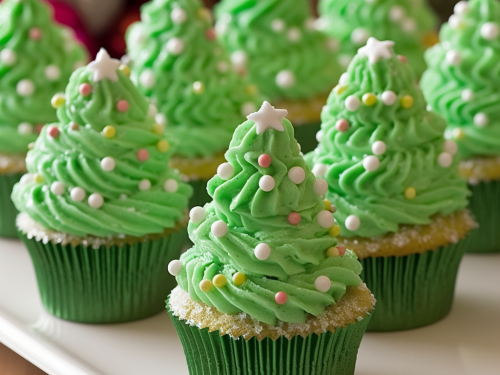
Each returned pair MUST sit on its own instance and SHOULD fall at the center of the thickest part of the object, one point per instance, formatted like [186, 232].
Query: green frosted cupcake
[292, 64]
[37, 57]
[462, 85]
[102, 214]
[178, 63]
[395, 187]
[411, 24]
[264, 289]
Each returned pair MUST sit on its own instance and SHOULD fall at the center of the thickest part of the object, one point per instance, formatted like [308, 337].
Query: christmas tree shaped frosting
[37, 58]
[462, 83]
[411, 24]
[178, 62]
[265, 245]
[102, 170]
[276, 41]
[383, 154]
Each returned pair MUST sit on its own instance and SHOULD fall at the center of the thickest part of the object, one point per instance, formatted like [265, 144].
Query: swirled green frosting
[177, 61]
[287, 58]
[411, 24]
[386, 160]
[462, 82]
[102, 171]
[37, 58]
[298, 253]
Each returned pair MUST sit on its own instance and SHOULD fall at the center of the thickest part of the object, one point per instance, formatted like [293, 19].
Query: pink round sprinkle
[35, 33]
[85, 89]
[38, 128]
[143, 155]
[281, 298]
[341, 250]
[211, 34]
[403, 59]
[264, 160]
[53, 131]
[342, 125]
[294, 218]
[122, 106]
[333, 209]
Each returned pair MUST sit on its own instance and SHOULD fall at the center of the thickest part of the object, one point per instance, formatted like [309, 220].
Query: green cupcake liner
[412, 291]
[108, 284]
[306, 136]
[200, 194]
[8, 212]
[209, 353]
[485, 206]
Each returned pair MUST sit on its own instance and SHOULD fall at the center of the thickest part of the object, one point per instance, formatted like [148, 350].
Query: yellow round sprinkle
[204, 14]
[158, 129]
[220, 281]
[252, 89]
[38, 178]
[328, 204]
[369, 99]
[458, 134]
[239, 279]
[31, 146]
[109, 131]
[334, 230]
[410, 193]
[340, 89]
[407, 101]
[125, 70]
[206, 286]
[58, 101]
[162, 146]
[332, 252]
[198, 87]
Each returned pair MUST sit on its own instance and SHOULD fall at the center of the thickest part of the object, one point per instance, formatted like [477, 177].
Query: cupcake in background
[37, 57]
[463, 86]
[265, 289]
[178, 63]
[102, 214]
[411, 24]
[395, 187]
[293, 65]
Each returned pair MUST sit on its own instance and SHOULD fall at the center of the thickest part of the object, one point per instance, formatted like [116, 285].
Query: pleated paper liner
[324, 353]
[101, 281]
[414, 286]
[8, 212]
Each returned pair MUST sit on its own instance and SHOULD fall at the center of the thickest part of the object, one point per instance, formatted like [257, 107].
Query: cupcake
[292, 64]
[37, 56]
[462, 85]
[101, 213]
[411, 24]
[395, 187]
[265, 289]
[178, 63]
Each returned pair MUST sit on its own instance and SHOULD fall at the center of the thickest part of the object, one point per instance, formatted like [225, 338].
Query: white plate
[467, 342]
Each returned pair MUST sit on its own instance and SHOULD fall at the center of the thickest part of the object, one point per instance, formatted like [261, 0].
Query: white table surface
[467, 342]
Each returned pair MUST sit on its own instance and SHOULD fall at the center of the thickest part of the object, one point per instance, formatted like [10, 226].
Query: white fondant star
[268, 117]
[375, 50]
[104, 67]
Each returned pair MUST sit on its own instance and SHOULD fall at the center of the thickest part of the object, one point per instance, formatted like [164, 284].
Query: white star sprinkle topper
[268, 117]
[375, 50]
[104, 67]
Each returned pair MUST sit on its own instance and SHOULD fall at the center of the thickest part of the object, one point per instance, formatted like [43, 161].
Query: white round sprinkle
[96, 200]
[108, 164]
[322, 284]
[25, 87]
[28, 178]
[481, 120]
[371, 163]
[8, 57]
[429, 108]
[345, 60]
[219, 228]
[389, 97]
[396, 13]
[310, 24]
[352, 223]
[175, 267]
[453, 57]
[147, 79]
[161, 119]
[489, 31]
[285, 79]
[379, 148]
[319, 170]
[461, 7]
[52, 73]
[171, 186]
[225, 171]
[344, 78]
[144, 185]
[178, 15]
[267, 183]
[297, 175]
[262, 251]
[222, 66]
[352, 103]
[360, 36]
[152, 110]
[57, 188]
[78, 194]
[450, 147]
[320, 186]
[197, 214]
[278, 25]
[319, 135]
[454, 21]
[445, 160]
[25, 128]
[239, 58]
[175, 46]
[467, 95]
[293, 34]
[248, 108]
[325, 219]
[409, 25]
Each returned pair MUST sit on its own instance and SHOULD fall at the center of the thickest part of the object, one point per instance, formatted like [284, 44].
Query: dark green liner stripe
[105, 285]
[200, 195]
[412, 291]
[209, 353]
[485, 205]
[8, 212]
[306, 136]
